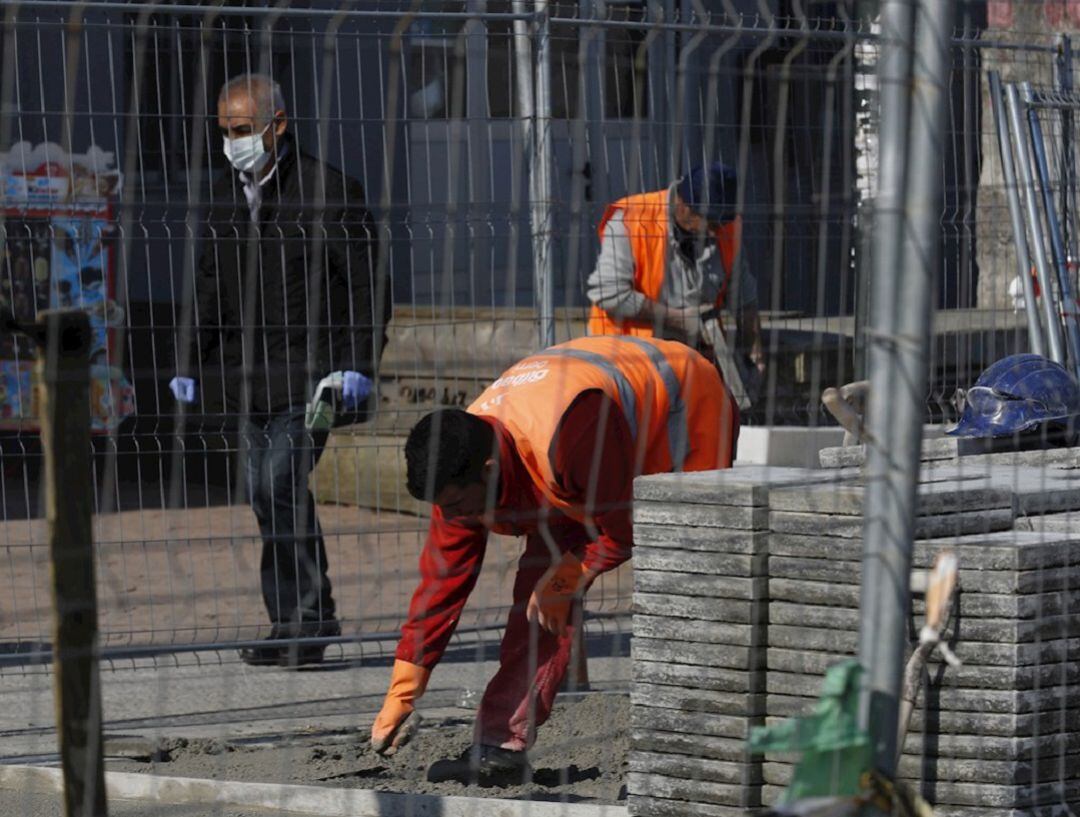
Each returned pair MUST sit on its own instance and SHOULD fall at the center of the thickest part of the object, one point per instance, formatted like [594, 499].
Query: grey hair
[267, 94]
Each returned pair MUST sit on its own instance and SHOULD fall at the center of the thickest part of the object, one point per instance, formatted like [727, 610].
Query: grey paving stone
[711, 540]
[1000, 550]
[701, 608]
[790, 692]
[936, 771]
[652, 740]
[705, 724]
[1045, 769]
[934, 499]
[714, 516]
[699, 584]
[817, 593]
[688, 652]
[1018, 678]
[977, 726]
[987, 795]
[738, 773]
[975, 605]
[851, 527]
[1003, 582]
[697, 700]
[740, 485]
[698, 677]
[640, 806]
[649, 557]
[696, 791]
[713, 632]
[966, 628]
[851, 456]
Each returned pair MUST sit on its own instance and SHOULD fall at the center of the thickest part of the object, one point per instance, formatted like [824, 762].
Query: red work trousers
[532, 661]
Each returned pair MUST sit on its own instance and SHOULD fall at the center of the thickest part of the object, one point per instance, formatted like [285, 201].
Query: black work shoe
[483, 765]
[281, 649]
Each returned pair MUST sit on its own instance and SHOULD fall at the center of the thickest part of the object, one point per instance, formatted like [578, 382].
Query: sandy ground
[191, 576]
[580, 755]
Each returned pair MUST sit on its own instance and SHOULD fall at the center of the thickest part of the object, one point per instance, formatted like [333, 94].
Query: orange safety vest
[647, 219]
[680, 414]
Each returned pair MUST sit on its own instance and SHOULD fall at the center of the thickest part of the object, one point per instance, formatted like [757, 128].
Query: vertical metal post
[540, 175]
[1031, 205]
[1068, 173]
[1036, 342]
[1057, 239]
[906, 262]
[63, 371]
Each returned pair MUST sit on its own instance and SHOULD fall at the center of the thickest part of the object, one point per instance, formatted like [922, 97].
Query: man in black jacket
[286, 293]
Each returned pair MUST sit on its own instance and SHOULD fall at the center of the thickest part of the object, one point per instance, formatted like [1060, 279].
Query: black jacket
[259, 287]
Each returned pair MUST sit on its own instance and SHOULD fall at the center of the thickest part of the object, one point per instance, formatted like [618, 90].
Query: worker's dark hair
[447, 447]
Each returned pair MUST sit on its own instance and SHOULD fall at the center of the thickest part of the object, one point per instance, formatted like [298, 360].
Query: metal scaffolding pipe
[913, 74]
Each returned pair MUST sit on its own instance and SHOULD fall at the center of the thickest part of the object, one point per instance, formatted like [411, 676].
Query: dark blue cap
[710, 191]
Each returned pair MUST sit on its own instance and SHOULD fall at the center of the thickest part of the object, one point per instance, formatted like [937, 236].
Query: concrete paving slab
[705, 724]
[851, 527]
[649, 557]
[696, 791]
[693, 653]
[701, 608]
[701, 678]
[711, 516]
[699, 584]
[741, 485]
[653, 740]
[972, 581]
[696, 769]
[933, 499]
[659, 807]
[1015, 678]
[712, 540]
[998, 550]
[739, 635]
[696, 700]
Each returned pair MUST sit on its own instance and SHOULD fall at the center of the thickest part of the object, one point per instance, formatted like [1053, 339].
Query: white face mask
[246, 153]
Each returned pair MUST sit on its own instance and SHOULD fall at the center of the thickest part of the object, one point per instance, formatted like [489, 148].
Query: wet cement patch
[580, 756]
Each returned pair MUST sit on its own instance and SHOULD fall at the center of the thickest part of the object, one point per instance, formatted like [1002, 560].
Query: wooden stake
[63, 370]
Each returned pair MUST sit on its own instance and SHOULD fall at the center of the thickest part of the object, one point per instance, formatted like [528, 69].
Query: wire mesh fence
[417, 199]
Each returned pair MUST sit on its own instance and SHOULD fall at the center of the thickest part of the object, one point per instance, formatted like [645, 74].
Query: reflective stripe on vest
[626, 392]
[678, 434]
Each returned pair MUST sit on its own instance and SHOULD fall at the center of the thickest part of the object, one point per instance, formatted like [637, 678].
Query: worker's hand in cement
[398, 720]
[549, 604]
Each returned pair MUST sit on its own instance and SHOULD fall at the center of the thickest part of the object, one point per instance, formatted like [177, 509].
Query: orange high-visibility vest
[647, 219]
[680, 414]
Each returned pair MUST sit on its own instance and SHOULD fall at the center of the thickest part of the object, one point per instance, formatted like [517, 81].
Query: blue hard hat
[1018, 393]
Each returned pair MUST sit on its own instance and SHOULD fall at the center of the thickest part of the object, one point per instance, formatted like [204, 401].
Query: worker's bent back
[681, 415]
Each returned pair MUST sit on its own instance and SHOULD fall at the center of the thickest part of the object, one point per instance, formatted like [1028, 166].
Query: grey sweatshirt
[686, 283]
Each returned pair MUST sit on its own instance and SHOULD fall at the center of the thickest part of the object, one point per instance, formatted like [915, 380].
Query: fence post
[913, 78]
[63, 369]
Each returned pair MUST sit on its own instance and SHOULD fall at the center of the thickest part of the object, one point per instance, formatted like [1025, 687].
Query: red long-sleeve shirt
[594, 464]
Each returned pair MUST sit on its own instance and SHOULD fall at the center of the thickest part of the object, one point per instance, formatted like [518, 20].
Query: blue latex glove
[185, 389]
[355, 389]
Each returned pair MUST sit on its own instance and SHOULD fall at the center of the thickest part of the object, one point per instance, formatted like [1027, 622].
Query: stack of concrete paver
[700, 618]
[998, 736]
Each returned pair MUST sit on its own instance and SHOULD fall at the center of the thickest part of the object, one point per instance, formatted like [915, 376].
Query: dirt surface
[579, 755]
[170, 577]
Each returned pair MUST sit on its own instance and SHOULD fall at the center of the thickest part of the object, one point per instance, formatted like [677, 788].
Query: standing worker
[549, 451]
[670, 257]
[285, 294]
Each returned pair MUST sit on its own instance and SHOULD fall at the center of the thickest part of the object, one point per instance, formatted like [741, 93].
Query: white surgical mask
[246, 153]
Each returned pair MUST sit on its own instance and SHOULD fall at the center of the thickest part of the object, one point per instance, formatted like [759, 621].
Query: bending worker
[548, 451]
[669, 257]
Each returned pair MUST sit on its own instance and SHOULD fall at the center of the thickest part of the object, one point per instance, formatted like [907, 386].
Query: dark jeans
[280, 455]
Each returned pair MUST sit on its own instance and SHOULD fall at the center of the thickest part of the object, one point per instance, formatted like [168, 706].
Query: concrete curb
[314, 800]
